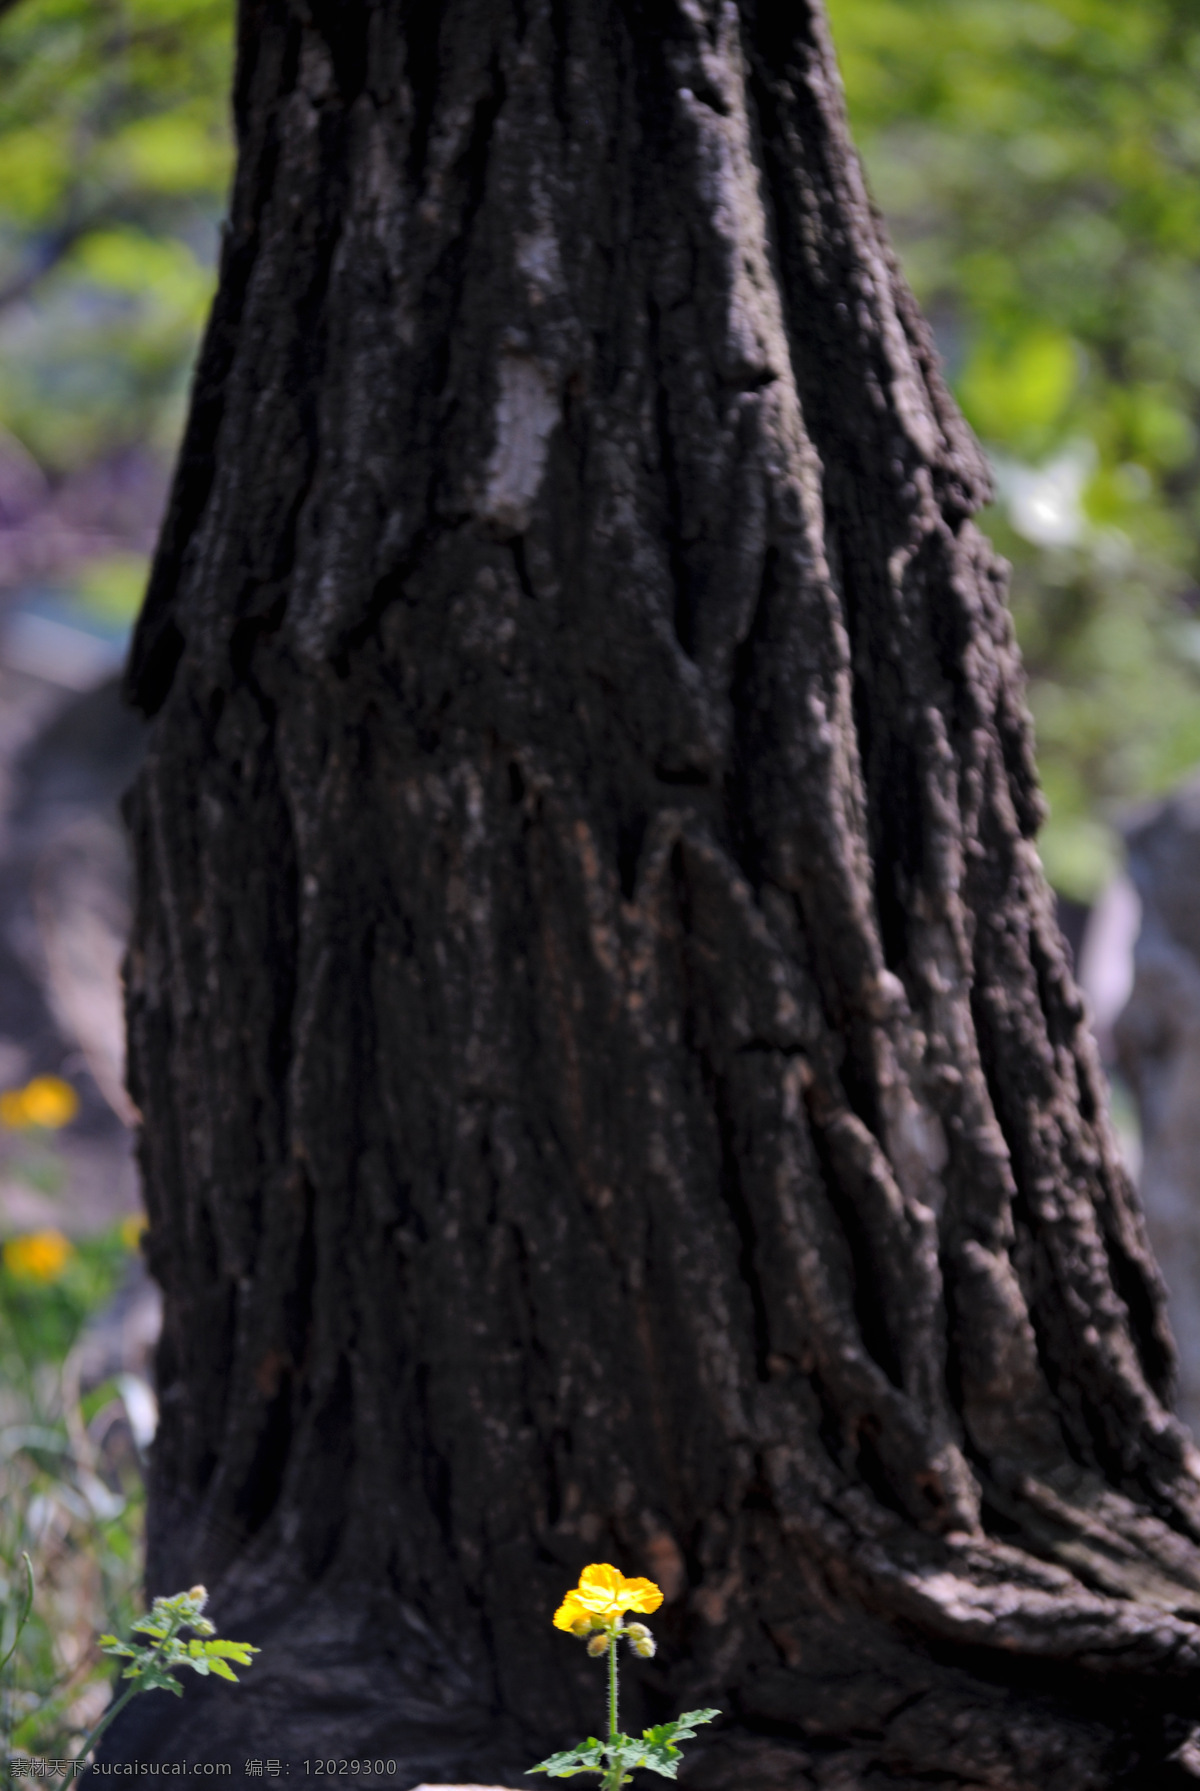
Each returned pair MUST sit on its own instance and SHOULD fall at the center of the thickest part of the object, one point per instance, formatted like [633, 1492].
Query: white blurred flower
[1045, 503]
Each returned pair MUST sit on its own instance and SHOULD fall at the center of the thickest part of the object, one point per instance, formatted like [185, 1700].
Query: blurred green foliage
[114, 163]
[66, 1499]
[1038, 162]
[40, 1321]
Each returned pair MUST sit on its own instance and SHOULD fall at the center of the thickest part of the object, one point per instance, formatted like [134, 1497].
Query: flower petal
[569, 1612]
[598, 1590]
[600, 1578]
[605, 1590]
[641, 1595]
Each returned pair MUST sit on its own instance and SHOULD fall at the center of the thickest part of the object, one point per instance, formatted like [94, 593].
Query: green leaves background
[114, 162]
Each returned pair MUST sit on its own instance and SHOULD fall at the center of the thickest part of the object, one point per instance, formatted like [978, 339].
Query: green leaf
[662, 1735]
[666, 1769]
[563, 1766]
[685, 1726]
[152, 1625]
[239, 1651]
[589, 1756]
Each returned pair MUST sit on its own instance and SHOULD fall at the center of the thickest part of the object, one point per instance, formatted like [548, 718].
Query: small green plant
[153, 1664]
[594, 1612]
[71, 1504]
[71, 1494]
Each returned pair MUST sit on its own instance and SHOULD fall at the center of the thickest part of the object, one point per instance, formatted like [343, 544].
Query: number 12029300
[341, 1769]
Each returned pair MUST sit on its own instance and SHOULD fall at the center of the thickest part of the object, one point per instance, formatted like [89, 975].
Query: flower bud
[640, 1640]
[583, 1627]
[199, 1593]
[598, 1645]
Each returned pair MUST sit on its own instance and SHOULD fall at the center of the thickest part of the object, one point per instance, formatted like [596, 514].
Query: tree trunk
[612, 1085]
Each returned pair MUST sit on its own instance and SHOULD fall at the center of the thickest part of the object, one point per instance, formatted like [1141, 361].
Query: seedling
[153, 1664]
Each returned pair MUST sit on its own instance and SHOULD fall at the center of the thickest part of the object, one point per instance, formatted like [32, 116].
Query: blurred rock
[1105, 959]
[1157, 1039]
[64, 903]
[67, 832]
[120, 1340]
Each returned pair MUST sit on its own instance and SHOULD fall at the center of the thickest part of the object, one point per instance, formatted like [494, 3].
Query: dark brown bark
[613, 1088]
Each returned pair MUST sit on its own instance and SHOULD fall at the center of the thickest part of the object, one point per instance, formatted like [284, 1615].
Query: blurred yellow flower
[132, 1227]
[38, 1255]
[47, 1101]
[604, 1594]
[12, 1108]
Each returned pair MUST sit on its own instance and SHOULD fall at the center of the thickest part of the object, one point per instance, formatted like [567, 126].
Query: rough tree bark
[612, 1084]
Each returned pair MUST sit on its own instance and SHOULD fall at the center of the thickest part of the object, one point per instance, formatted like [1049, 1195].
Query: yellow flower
[38, 1256]
[604, 1594]
[12, 1109]
[47, 1101]
[133, 1226]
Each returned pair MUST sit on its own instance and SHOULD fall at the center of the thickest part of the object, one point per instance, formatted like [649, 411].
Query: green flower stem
[612, 1778]
[23, 1618]
[132, 1692]
[112, 1711]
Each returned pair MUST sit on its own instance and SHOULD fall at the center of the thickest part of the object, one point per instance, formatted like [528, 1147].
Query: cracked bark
[612, 1084]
